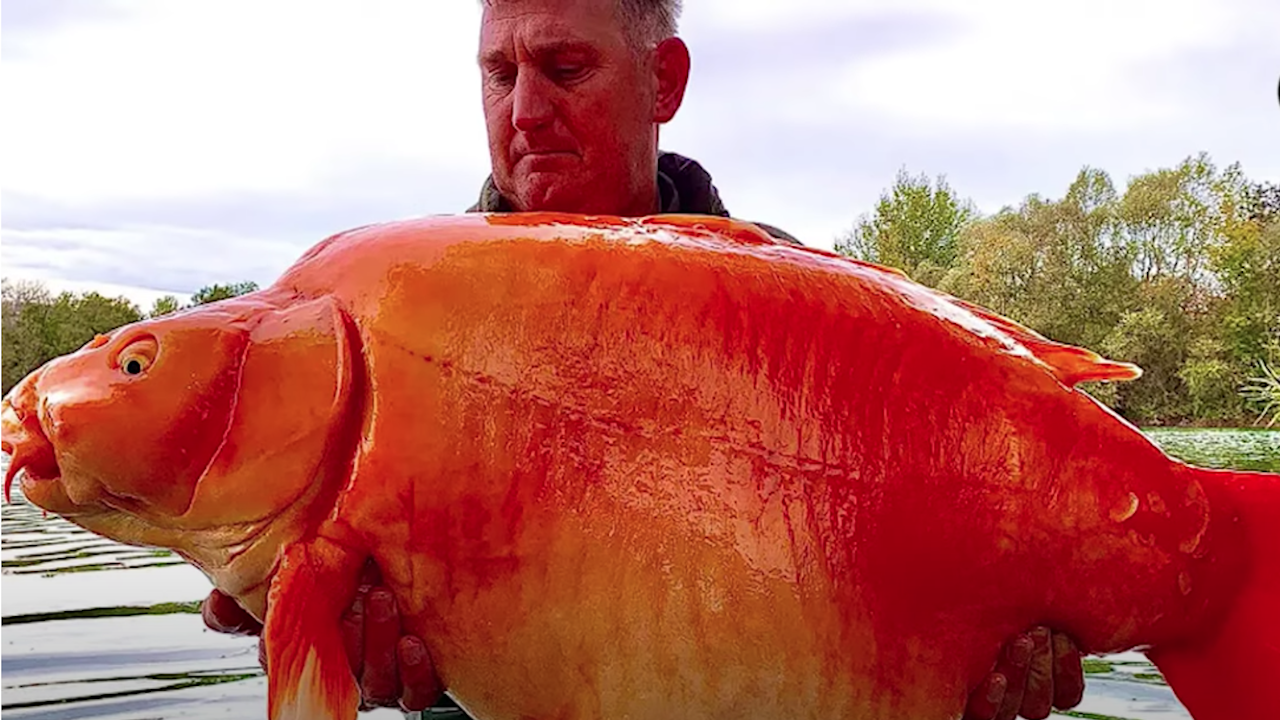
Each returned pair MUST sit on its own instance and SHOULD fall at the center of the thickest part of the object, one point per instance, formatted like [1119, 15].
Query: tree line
[39, 326]
[1179, 274]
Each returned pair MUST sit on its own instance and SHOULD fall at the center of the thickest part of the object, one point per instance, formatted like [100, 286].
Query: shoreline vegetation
[1178, 273]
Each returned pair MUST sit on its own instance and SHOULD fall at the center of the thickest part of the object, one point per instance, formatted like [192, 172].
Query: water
[96, 629]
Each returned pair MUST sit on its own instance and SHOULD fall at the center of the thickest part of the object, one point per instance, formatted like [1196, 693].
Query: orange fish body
[625, 468]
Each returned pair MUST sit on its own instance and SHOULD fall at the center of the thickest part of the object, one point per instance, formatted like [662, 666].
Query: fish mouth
[31, 453]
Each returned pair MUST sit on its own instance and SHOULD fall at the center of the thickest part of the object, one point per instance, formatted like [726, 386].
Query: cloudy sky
[156, 147]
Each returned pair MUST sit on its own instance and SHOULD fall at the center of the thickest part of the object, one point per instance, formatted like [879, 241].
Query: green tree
[164, 306]
[1246, 262]
[1264, 391]
[21, 351]
[1179, 273]
[1172, 217]
[214, 293]
[915, 227]
[39, 327]
[1262, 202]
[1055, 266]
[1211, 380]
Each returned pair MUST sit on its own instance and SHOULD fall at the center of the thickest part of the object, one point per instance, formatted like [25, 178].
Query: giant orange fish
[624, 468]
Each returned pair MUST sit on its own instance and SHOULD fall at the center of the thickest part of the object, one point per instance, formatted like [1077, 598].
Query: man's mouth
[546, 154]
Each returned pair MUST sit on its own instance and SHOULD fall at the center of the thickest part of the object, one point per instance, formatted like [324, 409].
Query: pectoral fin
[309, 674]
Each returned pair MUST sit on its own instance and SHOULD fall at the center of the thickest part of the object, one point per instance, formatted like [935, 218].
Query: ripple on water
[34, 543]
[1235, 448]
[84, 636]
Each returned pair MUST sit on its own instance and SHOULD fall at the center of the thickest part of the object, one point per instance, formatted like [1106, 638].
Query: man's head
[574, 92]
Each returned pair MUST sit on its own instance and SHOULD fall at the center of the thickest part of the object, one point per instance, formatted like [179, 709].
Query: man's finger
[417, 673]
[1013, 666]
[380, 681]
[1037, 702]
[1068, 673]
[986, 701]
[370, 576]
[223, 614]
[353, 633]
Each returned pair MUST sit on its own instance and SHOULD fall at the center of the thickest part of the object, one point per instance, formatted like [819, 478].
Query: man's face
[570, 106]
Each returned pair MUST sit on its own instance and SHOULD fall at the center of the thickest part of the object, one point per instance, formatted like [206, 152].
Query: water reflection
[34, 543]
[1235, 448]
[96, 629]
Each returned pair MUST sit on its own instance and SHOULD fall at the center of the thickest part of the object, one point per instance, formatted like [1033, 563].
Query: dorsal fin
[1069, 363]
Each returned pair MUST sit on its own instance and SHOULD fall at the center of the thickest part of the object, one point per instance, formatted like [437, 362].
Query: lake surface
[93, 629]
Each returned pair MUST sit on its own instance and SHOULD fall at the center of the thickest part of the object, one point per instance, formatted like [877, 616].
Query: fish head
[131, 418]
[211, 417]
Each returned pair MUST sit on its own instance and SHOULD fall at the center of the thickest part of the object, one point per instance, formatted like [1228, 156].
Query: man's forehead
[548, 25]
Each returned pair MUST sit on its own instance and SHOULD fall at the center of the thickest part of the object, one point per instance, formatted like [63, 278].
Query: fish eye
[133, 366]
[137, 356]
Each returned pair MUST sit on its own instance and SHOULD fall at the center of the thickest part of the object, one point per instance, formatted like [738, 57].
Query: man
[574, 94]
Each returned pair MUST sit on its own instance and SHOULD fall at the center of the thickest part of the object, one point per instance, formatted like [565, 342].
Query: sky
[154, 147]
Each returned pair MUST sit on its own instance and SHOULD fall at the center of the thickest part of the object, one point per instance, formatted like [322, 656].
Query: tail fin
[1233, 673]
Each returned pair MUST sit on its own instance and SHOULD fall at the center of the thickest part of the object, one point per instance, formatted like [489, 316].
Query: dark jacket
[683, 187]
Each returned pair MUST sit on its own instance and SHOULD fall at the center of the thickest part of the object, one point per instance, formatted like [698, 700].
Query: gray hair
[649, 22]
[645, 22]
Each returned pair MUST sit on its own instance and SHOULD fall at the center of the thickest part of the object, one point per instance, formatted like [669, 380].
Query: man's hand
[392, 670]
[225, 615]
[1038, 671]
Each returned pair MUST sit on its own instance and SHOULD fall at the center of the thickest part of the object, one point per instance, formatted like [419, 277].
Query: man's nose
[531, 106]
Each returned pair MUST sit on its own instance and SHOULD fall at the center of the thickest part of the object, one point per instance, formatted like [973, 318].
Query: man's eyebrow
[555, 47]
[492, 57]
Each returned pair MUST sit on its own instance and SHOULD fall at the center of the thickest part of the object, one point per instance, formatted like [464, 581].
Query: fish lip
[29, 478]
[30, 451]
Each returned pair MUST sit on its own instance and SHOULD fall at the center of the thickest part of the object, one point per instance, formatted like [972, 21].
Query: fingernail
[996, 692]
[1021, 654]
[381, 605]
[413, 653]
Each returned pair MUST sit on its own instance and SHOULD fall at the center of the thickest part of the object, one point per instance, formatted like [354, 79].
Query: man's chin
[558, 195]
[549, 197]
[550, 162]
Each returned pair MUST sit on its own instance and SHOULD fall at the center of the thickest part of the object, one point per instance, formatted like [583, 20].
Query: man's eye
[570, 72]
[502, 77]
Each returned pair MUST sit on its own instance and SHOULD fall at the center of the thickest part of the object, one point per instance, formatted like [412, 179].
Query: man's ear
[671, 66]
